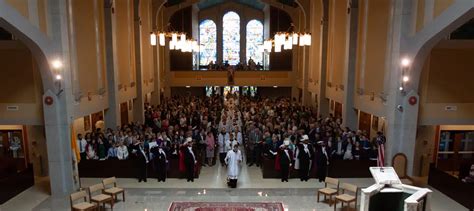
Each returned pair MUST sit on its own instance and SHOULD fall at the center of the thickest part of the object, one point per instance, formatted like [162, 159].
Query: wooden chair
[82, 206]
[399, 163]
[346, 198]
[329, 191]
[114, 190]
[100, 198]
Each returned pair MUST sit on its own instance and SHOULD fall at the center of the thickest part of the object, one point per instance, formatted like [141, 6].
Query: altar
[389, 194]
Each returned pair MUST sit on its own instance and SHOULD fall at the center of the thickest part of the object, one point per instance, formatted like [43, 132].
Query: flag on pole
[381, 156]
[381, 151]
[75, 148]
[76, 157]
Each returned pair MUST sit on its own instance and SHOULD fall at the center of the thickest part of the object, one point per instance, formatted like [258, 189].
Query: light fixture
[174, 37]
[295, 38]
[275, 86]
[405, 78]
[288, 44]
[57, 64]
[162, 39]
[277, 48]
[153, 38]
[188, 87]
[401, 88]
[405, 62]
[302, 40]
[58, 77]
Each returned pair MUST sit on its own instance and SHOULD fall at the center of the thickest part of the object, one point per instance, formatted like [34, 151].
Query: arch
[424, 41]
[39, 44]
[231, 37]
[207, 42]
[254, 39]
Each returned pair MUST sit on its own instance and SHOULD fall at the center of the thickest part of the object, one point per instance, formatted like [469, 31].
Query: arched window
[207, 42]
[254, 40]
[231, 38]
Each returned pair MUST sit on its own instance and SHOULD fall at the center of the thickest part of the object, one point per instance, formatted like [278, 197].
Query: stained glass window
[254, 40]
[207, 42]
[231, 38]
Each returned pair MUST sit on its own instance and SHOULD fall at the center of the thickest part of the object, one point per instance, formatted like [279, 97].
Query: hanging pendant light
[308, 39]
[153, 39]
[295, 38]
[288, 43]
[162, 39]
[277, 48]
[302, 40]
[172, 45]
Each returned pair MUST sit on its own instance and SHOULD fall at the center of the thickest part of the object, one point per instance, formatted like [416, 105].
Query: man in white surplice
[233, 160]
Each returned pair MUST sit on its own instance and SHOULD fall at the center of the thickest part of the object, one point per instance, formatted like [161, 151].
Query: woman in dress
[211, 143]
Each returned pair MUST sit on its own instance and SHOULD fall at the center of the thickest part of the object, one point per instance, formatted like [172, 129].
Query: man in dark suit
[305, 155]
[189, 160]
[322, 161]
[285, 162]
[142, 161]
[161, 162]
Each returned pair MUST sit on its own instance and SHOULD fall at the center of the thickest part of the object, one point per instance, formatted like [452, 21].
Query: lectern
[389, 194]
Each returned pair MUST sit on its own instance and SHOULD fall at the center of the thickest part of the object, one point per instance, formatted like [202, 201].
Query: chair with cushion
[82, 206]
[113, 190]
[347, 198]
[100, 197]
[399, 163]
[329, 190]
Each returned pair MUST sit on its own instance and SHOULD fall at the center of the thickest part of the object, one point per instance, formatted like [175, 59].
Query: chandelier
[177, 41]
[286, 41]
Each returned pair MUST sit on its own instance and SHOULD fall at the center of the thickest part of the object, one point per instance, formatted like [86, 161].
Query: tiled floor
[211, 186]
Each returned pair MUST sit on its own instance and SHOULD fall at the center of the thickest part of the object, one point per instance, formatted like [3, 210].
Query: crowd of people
[203, 130]
[249, 66]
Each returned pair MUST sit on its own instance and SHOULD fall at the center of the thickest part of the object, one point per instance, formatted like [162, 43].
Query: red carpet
[226, 206]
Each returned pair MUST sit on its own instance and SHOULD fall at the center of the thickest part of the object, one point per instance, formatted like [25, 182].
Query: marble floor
[211, 186]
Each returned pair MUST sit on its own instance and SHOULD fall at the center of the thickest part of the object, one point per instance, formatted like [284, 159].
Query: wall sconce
[405, 64]
[57, 65]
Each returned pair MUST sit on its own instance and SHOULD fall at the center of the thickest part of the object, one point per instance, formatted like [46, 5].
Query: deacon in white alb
[233, 160]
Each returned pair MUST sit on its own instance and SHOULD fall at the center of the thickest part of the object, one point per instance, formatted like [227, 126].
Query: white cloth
[229, 144]
[221, 143]
[82, 145]
[122, 152]
[144, 154]
[233, 160]
[190, 149]
[297, 160]
[240, 139]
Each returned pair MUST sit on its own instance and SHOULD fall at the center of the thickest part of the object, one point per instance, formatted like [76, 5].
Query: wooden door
[364, 122]
[338, 110]
[124, 113]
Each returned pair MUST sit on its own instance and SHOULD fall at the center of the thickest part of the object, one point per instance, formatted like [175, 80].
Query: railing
[241, 78]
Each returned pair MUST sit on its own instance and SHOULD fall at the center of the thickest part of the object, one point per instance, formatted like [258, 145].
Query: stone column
[402, 117]
[323, 102]
[349, 115]
[112, 114]
[58, 116]
[155, 95]
[58, 140]
[138, 107]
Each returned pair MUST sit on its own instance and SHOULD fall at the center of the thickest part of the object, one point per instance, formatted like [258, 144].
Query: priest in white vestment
[233, 160]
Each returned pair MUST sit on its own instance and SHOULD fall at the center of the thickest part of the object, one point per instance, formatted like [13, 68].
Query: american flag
[381, 151]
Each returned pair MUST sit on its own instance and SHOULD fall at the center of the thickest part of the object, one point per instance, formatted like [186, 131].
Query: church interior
[226, 105]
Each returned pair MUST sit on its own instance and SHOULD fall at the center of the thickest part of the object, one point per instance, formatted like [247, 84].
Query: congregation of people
[203, 131]
[249, 66]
